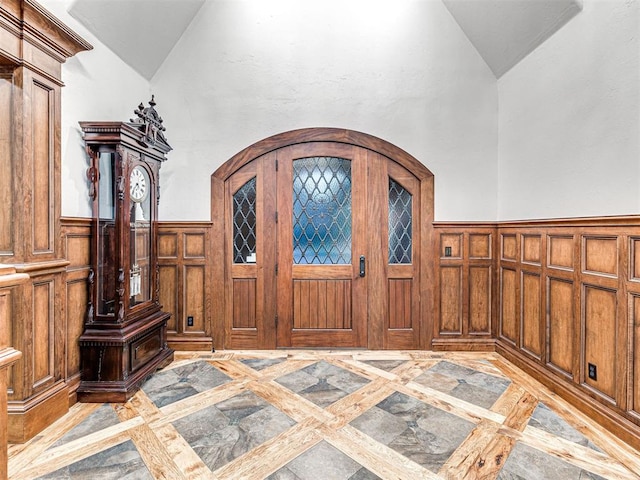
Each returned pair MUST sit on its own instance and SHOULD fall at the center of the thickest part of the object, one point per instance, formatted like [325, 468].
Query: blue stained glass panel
[321, 211]
[400, 223]
[244, 223]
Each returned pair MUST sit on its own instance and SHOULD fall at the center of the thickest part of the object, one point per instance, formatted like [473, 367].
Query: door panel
[298, 222]
[321, 297]
[401, 219]
[250, 252]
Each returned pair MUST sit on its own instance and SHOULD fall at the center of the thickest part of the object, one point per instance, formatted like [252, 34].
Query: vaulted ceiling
[143, 32]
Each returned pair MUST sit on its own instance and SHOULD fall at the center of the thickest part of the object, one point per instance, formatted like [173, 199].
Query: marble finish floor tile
[420, 432]
[386, 365]
[322, 383]
[102, 418]
[122, 462]
[464, 383]
[262, 363]
[224, 431]
[526, 463]
[344, 415]
[172, 385]
[323, 461]
[546, 419]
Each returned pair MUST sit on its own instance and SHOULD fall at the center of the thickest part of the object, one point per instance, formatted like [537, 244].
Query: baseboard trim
[181, 343]
[463, 344]
[28, 418]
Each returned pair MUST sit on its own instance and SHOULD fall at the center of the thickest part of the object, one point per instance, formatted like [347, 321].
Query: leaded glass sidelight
[321, 211]
[400, 220]
[244, 223]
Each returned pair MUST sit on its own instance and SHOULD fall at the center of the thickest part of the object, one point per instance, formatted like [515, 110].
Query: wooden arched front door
[324, 241]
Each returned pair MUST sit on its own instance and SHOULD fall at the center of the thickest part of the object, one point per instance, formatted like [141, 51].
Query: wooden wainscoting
[559, 298]
[569, 294]
[76, 248]
[184, 288]
[466, 279]
[184, 261]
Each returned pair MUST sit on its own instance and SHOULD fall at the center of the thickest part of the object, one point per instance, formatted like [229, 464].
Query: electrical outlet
[593, 371]
[447, 251]
[189, 321]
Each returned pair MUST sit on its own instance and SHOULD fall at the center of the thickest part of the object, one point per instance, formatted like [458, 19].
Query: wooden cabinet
[33, 47]
[124, 338]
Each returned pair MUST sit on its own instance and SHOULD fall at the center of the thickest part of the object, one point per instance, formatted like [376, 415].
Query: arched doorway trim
[270, 145]
[336, 135]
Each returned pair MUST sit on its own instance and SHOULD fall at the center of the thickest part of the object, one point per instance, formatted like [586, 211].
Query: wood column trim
[8, 355]
[33, 46]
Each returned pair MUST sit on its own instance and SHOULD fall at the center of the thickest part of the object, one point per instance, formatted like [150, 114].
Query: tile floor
[316, 415]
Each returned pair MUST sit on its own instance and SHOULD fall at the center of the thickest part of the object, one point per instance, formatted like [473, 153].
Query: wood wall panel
[531, 314]
[43, 165]
[600, 346]
[6, 179]
[185, 265]
[453, 241]
[634, 317]
[194, 245]
[169, 294]
[466, 288]
[635, 258]
[400, 309]
[560, 324]
[78, 250]
[509, 247]
[479, 246]
[77, 301]
[600, 255]
[194, 298]
[531, 249]
[167, 245]
[244, 303]
[43, 332]
[76, 234]
[451, 298]
[322, 304]
[509, 308]
[561, 251]
[480, 300]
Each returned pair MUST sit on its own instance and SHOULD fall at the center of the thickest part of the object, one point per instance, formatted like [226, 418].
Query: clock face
[138, 188]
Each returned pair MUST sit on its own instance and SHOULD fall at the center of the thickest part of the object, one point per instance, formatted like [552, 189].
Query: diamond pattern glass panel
[244, 223]
[321, 211]
[400, 239]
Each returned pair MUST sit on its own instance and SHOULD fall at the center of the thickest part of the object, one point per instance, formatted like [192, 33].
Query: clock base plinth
[117, 361]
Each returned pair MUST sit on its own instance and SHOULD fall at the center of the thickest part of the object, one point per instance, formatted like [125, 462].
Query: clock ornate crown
[149, 122]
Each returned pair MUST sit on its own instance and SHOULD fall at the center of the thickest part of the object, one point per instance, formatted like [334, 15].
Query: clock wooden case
[124, 339]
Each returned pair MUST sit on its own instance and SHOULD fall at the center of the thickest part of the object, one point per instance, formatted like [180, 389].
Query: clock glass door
[140, 231]
[106, 235]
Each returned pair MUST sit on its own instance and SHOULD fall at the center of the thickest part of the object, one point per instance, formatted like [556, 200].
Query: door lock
[362, 266]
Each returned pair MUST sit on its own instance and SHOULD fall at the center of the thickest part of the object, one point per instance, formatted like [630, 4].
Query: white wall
[569, 120]
[98, 86]
[402, 71]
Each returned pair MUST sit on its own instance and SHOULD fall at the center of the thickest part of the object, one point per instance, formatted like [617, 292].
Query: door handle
[363, 266]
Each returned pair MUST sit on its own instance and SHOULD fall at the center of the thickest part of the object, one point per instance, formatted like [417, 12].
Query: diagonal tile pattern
[298, 415]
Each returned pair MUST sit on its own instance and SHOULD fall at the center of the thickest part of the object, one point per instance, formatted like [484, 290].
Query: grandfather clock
[124, 339]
